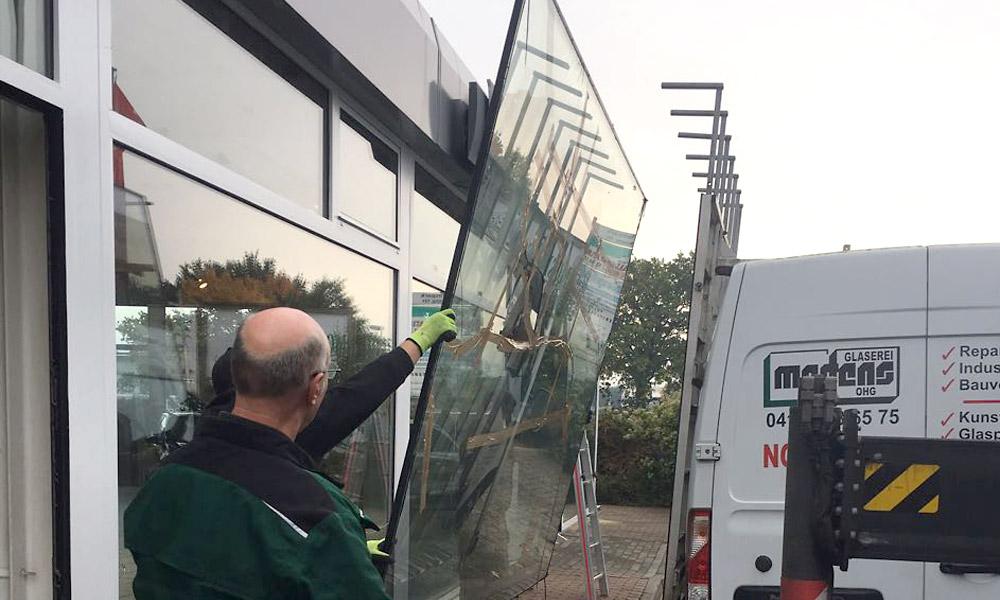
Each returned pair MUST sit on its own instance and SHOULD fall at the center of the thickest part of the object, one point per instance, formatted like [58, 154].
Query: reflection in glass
[435, 234]
[25, 33]
[366, 178]
[537, 290]
[425, 301]
[179, 75]
[183, 286]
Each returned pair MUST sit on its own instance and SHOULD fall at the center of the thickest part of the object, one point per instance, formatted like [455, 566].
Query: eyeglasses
[330, 373]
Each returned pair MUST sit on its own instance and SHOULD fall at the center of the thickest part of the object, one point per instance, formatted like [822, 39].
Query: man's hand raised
[439, 326]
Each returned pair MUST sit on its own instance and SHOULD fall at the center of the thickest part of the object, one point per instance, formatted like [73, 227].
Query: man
[241, 513]
[348, 403]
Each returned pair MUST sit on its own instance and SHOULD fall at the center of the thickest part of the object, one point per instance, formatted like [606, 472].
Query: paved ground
[635, 549]
[635, 543]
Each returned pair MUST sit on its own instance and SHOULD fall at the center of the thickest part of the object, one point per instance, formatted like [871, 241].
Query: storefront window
[191, 263]
[435, 234]
[178, 74]
[25, 34]
[366, 178]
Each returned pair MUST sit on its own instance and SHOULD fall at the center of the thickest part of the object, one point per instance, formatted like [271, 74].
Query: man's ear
[315, 389]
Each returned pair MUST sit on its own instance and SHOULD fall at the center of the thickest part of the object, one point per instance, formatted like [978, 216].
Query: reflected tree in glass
[190, 321]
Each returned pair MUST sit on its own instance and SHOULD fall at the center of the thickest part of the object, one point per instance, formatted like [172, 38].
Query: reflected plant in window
[221, 296]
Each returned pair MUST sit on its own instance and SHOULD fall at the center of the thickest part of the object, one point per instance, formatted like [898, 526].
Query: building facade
[167, 166]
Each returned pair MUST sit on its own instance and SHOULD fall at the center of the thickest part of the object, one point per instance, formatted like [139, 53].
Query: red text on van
[775, 455]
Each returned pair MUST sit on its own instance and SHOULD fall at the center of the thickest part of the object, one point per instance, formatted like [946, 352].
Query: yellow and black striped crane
[882, 498]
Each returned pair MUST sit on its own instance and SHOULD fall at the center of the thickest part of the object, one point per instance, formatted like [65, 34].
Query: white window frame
[400, 247]
[81, 90]
[189, 163]
[403, 308]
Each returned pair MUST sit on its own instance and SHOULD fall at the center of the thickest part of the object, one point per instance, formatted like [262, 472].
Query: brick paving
[635, 544]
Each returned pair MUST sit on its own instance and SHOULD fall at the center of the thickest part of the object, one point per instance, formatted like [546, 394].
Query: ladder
[715, 255]
[585, 485]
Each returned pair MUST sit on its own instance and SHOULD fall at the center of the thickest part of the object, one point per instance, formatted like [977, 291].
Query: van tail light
[699, 567]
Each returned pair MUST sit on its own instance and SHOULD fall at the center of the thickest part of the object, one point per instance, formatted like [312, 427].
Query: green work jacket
[240, 513]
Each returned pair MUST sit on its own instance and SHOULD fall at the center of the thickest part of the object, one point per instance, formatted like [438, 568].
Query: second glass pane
[183, 286]
[179, 75]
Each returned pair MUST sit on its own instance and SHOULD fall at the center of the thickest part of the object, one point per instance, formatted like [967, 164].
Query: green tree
[647, 344]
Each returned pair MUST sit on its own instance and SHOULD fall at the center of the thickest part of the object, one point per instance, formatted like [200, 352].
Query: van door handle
[964, 569]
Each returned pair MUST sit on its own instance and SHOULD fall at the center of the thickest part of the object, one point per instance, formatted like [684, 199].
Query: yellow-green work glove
[380, 559]
[440, 325]
[373, 549]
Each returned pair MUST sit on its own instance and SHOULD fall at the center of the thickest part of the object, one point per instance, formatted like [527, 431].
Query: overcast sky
[867, 123]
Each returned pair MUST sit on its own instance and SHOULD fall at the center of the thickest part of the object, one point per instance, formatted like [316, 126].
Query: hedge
[637, 446]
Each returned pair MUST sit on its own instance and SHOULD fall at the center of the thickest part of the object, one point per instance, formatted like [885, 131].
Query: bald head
[276, 352]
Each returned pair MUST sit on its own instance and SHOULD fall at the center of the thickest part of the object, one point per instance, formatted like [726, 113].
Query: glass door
[26, 499]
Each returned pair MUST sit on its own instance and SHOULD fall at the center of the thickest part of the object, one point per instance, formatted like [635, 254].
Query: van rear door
[864, 312]
[963, 379]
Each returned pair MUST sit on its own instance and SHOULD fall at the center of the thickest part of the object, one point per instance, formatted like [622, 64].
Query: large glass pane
[434, 235]
[537, 289]
[25, 34]
[190, 264]
[179, 75]
[366, 176]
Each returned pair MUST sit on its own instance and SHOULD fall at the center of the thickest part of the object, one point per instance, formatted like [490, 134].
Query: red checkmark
[946, 355]
[944, 388]
[948, 434]
[946, 419]
[945, 371]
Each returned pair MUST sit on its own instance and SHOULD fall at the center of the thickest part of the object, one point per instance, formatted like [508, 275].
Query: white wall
[395, 45]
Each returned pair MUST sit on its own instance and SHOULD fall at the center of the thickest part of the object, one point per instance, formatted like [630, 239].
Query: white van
[916, 334]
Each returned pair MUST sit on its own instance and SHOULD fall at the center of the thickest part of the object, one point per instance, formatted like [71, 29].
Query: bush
[635, 462]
